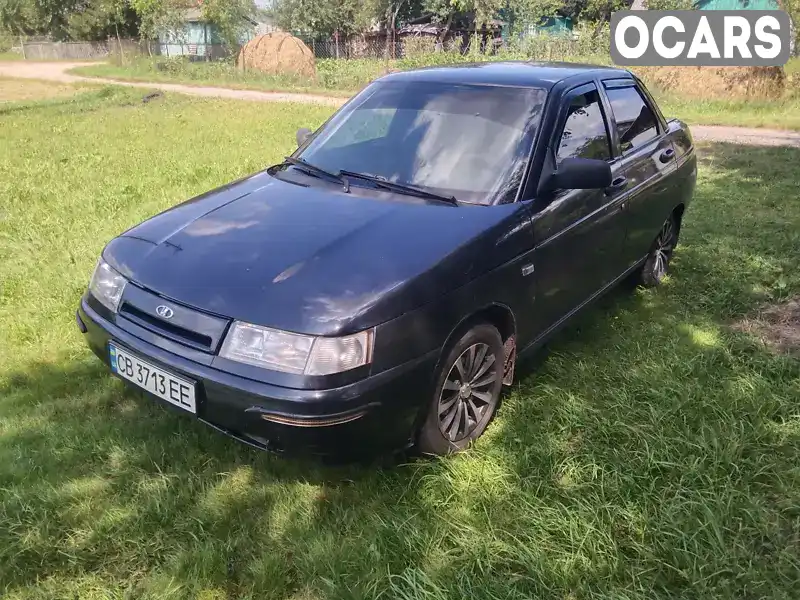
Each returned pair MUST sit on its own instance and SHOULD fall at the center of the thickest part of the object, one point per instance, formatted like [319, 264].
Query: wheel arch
[502, 318]
[677, 212]
[496, 314]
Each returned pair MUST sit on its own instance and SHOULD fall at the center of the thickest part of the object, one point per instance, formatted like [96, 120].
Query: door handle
[617, 185]
[667, 155]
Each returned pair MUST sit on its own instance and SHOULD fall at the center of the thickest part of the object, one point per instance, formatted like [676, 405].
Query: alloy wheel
[662, 253]
[467, 398]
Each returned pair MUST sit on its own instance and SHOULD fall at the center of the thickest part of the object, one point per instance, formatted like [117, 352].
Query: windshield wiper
[400, 188]
[315, 171]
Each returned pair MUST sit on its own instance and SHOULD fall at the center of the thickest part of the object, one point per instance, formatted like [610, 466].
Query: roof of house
[421, 28]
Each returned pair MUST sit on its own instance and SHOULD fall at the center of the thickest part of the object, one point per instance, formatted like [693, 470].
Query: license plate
[158, 382]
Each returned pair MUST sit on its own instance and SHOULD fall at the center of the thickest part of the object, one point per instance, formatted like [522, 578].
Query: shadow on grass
[83, 102]
[649, 451]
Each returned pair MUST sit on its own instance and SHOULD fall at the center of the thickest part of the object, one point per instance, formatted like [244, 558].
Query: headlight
[267, 348]
[294, 353]
[107, 285]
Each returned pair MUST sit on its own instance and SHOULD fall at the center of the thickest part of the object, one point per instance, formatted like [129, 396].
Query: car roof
[505, 73]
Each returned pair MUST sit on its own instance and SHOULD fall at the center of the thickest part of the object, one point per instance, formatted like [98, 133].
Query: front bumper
[376, 414]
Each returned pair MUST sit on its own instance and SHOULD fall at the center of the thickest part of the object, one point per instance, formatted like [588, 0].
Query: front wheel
[467, 392]
[656, 266]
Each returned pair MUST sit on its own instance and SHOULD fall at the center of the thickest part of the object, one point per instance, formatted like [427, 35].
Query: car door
[579, 234]
[645, 157]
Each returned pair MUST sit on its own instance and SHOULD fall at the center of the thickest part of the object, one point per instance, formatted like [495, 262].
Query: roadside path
[57, 71]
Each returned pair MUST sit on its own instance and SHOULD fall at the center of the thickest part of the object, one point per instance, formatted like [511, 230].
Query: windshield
[467, 141]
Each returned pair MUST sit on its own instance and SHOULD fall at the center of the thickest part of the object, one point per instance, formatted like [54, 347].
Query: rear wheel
[656, 266]
[467, 392]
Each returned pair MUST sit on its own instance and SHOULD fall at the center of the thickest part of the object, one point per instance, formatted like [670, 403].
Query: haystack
[717, 82]
[278, 53]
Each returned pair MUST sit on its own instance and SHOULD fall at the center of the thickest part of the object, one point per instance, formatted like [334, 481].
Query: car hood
[307, 259]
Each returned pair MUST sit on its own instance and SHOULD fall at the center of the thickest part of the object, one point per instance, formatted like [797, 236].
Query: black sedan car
[375, 289]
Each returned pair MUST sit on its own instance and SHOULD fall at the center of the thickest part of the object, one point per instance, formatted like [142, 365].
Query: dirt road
[746, 135]
[57, 71]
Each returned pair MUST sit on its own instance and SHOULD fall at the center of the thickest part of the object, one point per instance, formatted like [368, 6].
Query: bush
[174, 65]
[6, 42]
[419, 45]
[349, 74]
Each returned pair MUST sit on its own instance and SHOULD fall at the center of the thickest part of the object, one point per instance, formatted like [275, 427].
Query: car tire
[656, 266]
[467, 392]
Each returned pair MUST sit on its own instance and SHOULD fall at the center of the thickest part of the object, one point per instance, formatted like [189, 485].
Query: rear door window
[584, 134]
[636, 123]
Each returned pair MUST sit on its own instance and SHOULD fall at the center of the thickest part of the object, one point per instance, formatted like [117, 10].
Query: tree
[157, 16]
[230, 16]
[37, 17]
[321, 17]
[68, 19]
[593, 10]
[475, 12]
[792, 7]
[532, 11]
[101, 19]
[20, 17]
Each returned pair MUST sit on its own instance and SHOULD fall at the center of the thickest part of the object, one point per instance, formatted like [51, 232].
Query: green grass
[793, 66]
[650, 453]
[776, 114]
[17, 56]
[783, 113]
[336, 78]
[6, 56]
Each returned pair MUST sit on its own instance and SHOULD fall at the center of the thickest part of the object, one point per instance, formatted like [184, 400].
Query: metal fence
[43, 48]
[353, 47]
[66, 50]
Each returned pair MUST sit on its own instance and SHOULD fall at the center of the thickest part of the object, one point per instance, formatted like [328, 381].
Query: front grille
[165, 328]
[186, 325]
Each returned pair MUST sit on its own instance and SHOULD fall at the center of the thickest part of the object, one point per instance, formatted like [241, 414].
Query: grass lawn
[776, 114]
[651, 452]
[336, 77]
[793, 66]
[17, 56]
[18, 90]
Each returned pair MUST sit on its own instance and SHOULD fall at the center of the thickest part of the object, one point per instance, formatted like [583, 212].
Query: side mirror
[302, 135]
[581, 174]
